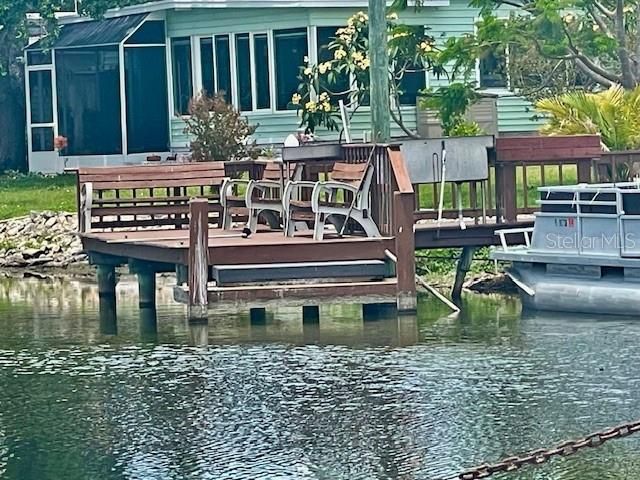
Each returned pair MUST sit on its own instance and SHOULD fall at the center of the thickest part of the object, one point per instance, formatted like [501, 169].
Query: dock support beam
[147, 288]
[198, 258]
[310, 314]
[107, 296]
[403, 204]
[464, 264]
[258, 316]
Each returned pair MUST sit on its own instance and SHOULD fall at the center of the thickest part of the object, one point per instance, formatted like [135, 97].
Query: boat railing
[526, 231]
[584, 219]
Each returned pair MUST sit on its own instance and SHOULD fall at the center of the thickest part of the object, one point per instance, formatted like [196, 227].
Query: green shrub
[218, 130]
[614, 114]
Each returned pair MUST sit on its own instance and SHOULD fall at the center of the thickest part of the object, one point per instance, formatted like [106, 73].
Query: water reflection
[284, 398]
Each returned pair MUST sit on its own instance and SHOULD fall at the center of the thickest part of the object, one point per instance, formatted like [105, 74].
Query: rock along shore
[41, 239]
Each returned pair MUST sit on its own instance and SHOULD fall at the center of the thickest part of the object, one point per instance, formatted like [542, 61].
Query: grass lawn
[21, 194]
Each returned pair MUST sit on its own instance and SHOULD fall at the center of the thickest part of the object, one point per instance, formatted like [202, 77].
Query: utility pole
[379, 71]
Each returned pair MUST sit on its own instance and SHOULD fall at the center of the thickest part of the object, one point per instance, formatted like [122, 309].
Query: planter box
[312, 151]
[484, 112]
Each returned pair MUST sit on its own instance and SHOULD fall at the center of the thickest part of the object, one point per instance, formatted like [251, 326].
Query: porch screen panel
[42, 139]
[40, 96]
[290, 50]
[88, 88]
[182, 82]
[261, 66]
[206, 65]
[223, 66]
[147, 109]
[243, 66]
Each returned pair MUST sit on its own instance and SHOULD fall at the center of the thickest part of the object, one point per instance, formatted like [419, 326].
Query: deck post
[107, 296]
[182, 274]
[376, 311]
[198, 258]
[464, 264]
[108, 316]
[258, 316]
[584, 170]
[147, 288]
[149, 323]
[310, 314]
[507, 190]
[403, 204]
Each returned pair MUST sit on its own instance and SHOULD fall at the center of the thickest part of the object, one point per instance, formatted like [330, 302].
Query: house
[119, 88]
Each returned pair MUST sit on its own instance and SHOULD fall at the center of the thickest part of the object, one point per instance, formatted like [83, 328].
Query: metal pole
[379, 72]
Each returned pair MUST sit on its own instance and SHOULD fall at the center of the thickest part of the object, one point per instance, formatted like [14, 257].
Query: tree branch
[590, 64]
[599, 21]
[605, 11]
[605, 82]
[628, 79]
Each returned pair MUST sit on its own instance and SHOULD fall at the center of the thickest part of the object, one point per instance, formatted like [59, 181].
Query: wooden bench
[130, 197]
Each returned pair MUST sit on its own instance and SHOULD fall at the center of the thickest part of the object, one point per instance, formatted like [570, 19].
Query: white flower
[307, 71]
[311, 106]
[306, 59]
[393, 16]
[296, 98]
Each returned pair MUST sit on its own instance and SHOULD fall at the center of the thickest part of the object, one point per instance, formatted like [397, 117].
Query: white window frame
[54, 101]
[507, 89]
[254, 83]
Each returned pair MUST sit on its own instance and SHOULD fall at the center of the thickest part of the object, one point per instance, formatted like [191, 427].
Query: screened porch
[103, 86]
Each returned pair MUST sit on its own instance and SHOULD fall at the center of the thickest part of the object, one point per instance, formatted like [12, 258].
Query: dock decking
[216, 266]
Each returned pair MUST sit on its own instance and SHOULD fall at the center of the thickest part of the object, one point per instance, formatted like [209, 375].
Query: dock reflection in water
[409, 398]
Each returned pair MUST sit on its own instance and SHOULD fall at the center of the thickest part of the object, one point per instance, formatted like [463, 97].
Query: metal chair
[326, 204]
[262, 197]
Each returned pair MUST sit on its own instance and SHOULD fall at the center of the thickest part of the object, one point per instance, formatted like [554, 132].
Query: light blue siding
[514, 113]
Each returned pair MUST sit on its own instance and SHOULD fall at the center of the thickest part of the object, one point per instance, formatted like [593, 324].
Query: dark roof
[110, 31]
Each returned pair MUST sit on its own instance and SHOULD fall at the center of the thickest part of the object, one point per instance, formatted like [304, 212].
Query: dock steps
[382, 291]
[277, 272]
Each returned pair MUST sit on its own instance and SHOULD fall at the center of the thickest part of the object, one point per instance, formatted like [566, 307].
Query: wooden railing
[518, 166]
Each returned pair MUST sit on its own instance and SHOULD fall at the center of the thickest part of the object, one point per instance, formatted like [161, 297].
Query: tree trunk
[13, 147]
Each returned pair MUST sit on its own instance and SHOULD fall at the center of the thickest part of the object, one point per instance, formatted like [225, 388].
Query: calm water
[415, 398]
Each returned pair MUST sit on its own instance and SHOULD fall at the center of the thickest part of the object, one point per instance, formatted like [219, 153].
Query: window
[88, 88]
[290, 50]
[261, 63]
[493, 69]
[40, 96]
[326, 35]
[243, 74]
[146, 93]
[223, 66]
[38, 57]
[182, 86]
[410, 85]
[150, 32]
[206, 65]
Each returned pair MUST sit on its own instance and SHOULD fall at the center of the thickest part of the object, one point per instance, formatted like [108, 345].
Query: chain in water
[538, 457]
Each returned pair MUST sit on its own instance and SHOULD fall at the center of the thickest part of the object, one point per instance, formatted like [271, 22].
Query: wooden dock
[215, 266]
